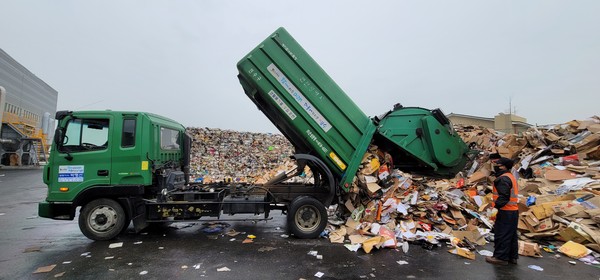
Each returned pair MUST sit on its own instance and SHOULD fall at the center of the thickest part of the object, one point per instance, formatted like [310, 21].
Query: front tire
[307, 217]
[102, 219]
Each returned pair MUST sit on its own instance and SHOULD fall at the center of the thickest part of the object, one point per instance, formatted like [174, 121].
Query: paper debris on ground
[232, 233]
[353, 247]
[222, 269]
[115, 245]
[486, 253]
[266, 249]
[405, 247]
[402, 262]
[144, 272]
[319, 274]
[45, 269]
[535, 267]
[181, 225]
[463, 253]
[32, 249]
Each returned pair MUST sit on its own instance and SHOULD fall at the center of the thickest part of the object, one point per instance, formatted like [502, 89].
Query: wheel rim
[308, 218]
[102, 218]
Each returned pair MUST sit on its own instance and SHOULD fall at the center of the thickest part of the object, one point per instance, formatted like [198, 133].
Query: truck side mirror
[58, 136]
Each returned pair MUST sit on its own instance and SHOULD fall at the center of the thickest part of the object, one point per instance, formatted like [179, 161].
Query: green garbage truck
[120, 168]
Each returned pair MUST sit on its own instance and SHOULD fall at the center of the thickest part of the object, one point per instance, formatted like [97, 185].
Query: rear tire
[102, 219]
[307, 217]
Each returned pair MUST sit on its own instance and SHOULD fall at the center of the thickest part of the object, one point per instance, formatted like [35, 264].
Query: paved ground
[28, 242]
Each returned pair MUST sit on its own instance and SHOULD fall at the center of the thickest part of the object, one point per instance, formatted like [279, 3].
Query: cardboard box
[544, 210]
[458, 217]
[536, 235]
[558, 175]
[480, 175]
[530, 219]
[574, 233]
[567, 209]
[588, 142]
[463, 253]
[530, 187]
[529, 249]
[473, 236]
[574, 250]
[541, 199]
[544, 225]
[595, 201]
[373, 188]
[523, 226]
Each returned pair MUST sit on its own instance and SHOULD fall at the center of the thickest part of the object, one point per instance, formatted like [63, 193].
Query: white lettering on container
[282, 105]
[297, 95]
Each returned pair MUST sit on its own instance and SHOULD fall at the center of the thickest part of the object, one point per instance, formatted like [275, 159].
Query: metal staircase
[27, 131]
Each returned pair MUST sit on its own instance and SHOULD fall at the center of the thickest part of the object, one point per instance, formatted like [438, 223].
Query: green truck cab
[133, 167]
[98, 156]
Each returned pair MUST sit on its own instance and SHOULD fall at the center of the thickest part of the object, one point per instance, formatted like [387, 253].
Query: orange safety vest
[514, 195]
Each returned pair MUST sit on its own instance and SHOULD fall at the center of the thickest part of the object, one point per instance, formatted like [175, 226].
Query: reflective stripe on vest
[514, 194]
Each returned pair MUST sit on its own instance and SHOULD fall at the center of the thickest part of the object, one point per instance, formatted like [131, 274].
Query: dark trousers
[506, 242]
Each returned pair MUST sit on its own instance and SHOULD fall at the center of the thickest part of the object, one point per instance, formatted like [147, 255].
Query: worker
[505, 199]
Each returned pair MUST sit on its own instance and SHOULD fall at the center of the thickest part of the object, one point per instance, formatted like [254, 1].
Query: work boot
[512, 261]
[493, 260]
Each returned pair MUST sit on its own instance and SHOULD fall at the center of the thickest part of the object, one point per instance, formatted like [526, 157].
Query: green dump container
[318, 118]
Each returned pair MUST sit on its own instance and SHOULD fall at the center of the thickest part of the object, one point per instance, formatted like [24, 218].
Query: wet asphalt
[203, 250]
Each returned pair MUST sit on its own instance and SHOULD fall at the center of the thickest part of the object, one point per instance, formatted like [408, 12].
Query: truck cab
[111, 155]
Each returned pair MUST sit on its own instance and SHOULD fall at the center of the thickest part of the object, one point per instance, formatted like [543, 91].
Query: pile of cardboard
[558, 169]
[223, 155]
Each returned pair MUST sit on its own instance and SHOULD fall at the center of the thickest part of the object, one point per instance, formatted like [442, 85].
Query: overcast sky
[178, 58]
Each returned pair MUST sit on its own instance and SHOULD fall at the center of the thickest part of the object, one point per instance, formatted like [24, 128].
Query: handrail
[31, 131]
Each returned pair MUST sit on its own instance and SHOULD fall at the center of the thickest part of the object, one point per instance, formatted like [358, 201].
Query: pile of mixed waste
[559, 196]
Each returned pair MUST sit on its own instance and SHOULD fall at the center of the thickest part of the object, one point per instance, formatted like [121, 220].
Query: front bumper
[57, 211]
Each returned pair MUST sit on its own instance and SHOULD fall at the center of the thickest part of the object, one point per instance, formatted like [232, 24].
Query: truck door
[129, 168]
[83, 155]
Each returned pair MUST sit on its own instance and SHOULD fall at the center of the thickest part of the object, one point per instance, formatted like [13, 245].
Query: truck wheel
[102, 219]
[307, 217]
